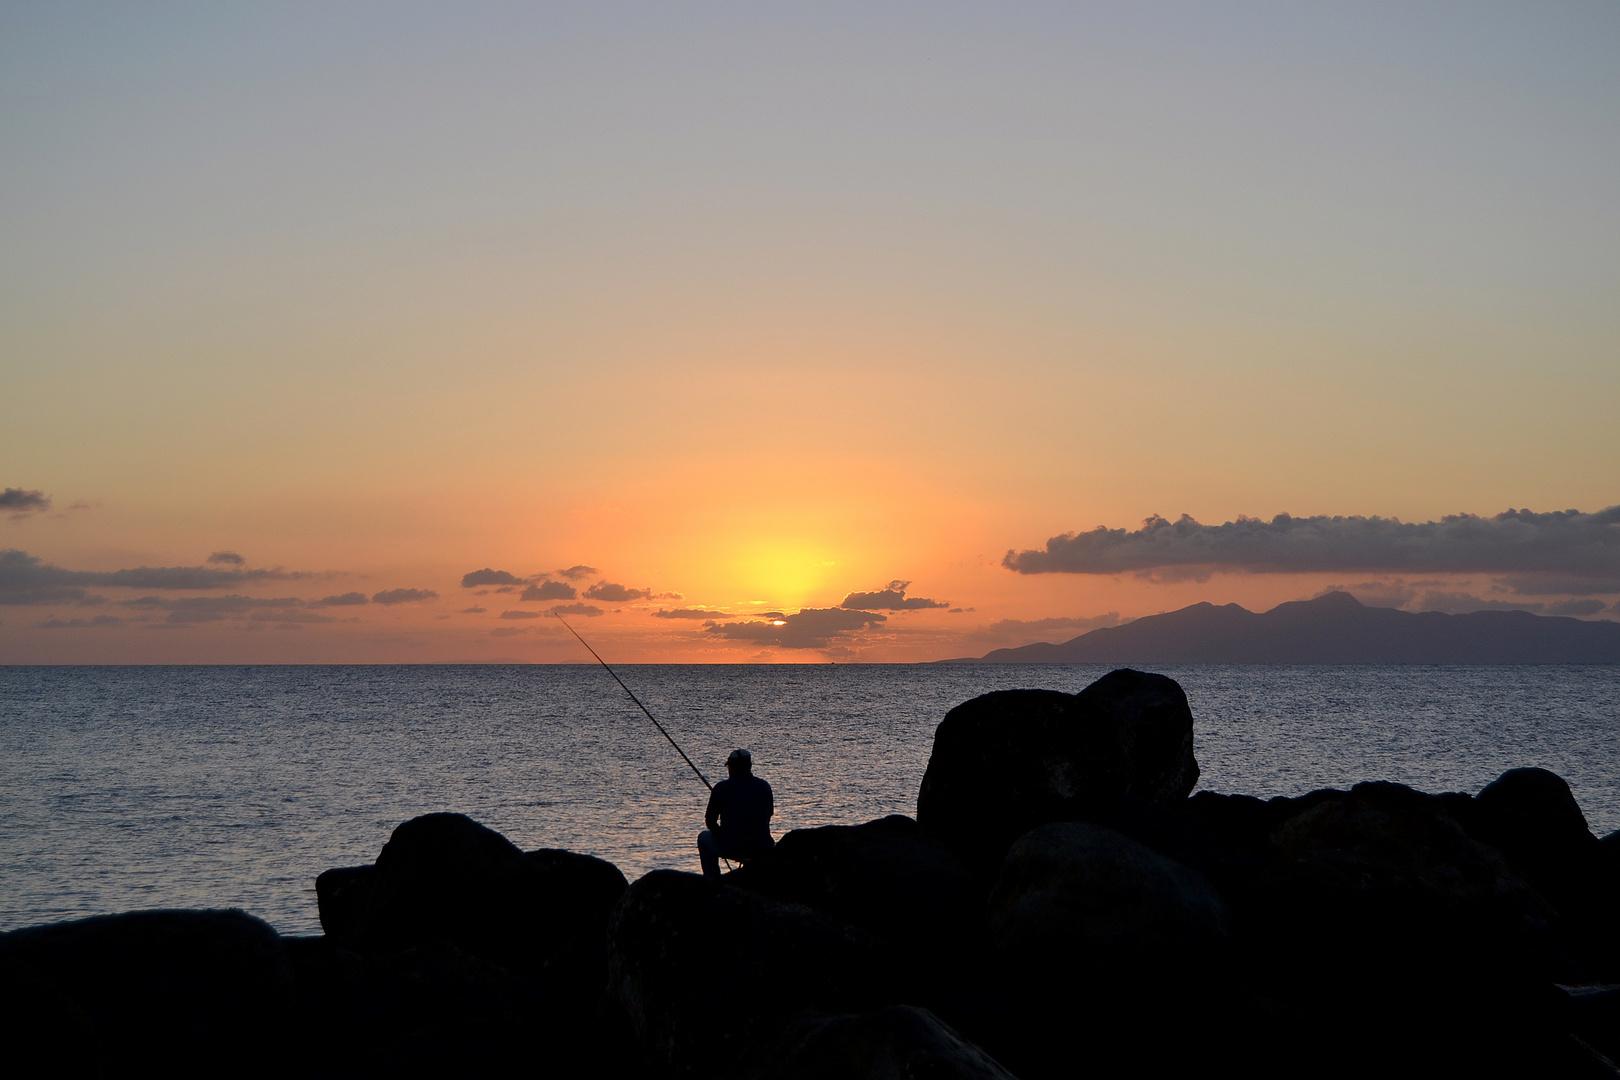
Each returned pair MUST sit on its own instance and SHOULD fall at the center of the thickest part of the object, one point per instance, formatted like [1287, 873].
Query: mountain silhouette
[1332, 629]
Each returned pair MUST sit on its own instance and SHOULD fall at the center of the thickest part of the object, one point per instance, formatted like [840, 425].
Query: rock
[1530, 816]
[698, 970]
[1387, 929]
[1104, 943]
[343, 897]
[186, 993]
[1088, 902]
[901, 1042]
[885, 877]
[1007, 762]
[446, 878]
[434, 1010]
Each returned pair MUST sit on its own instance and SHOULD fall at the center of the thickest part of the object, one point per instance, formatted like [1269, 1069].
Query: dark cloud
[588, 610]
[486, 576]
[1559, 584]
[522, 615]
[577, 571]
[201, 609]
[403, 596]
[1461, 603]
[27, 579]
[76, 624]
[1576, 607]
[474, 610]
[892, 598]
[549, 590]
[20, 502]
[811, 628]
[348, 599]
[691, 613]
[229, 557]
[614, 593]
[1564, 542]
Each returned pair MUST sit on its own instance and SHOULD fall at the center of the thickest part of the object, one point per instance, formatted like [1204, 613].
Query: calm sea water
[126, 788]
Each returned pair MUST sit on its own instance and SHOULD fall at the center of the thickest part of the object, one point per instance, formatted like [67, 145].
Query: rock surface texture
[1062, 907]
[1012, 760]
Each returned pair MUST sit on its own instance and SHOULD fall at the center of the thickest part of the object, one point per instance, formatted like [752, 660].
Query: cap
[740, 757]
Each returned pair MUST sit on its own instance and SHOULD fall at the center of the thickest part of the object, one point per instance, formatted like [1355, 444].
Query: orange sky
[766, 310]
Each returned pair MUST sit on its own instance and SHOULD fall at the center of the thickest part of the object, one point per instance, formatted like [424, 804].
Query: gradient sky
[762, 308]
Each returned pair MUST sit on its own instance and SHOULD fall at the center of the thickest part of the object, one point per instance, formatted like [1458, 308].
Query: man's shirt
[743, 806]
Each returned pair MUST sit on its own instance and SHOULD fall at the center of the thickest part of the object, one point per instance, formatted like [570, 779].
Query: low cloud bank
[613, 593]
[28, 579]
[1572, 545]
[812, 628]
[549, 590]
[691, 613]
[891, 598]
[403, 596]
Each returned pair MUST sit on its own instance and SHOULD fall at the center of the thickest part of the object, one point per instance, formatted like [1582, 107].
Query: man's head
[740, 763]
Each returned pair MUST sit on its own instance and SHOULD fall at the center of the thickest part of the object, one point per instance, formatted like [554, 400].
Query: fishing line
[637, 700]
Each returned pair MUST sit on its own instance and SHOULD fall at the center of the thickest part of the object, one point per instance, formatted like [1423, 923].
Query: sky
[794, 333]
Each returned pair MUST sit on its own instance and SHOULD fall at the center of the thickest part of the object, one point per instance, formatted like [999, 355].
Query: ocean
[142, 787]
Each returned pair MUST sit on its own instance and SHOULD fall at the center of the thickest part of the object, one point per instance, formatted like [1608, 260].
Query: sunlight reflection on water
[140, 787]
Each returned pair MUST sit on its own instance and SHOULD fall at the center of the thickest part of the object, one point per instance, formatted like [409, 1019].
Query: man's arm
[711, 816]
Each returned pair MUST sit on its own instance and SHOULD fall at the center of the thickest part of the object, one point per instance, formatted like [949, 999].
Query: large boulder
[1531, 816]
[1106, 945]
[1383, 926]
[1007, 762]
[187, 993]
[901, 1042]
[888, 878]
[446, 878]
[699, 971]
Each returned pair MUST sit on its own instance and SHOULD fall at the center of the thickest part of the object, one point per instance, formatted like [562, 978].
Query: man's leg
[709, 853]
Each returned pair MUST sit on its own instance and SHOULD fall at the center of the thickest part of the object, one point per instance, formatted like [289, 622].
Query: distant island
[1332, 629]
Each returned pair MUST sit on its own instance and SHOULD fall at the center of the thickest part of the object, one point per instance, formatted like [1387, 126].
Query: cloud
[474, 610]
[1391, 594]
[403, 596]
[1461, 603]
[508, 631]
[20, 502]
[486, 576]
[229, 557]
[577, 571]
[522, 615]
[1576, 607]
[347, 599]
[811, 628]
[201, 609]
[614, 593]
[1557, 584]
[76, 624]
[691, 613]
[549, 590]
[1565, 542]
[588, 610]
[27, 579]
[892, 598]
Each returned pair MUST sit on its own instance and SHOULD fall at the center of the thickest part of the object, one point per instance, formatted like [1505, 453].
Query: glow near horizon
[713, 298]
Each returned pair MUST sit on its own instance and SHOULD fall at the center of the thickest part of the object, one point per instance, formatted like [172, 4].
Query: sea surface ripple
[141, 787]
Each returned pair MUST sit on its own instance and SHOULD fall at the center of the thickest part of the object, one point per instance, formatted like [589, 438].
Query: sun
[785, 574]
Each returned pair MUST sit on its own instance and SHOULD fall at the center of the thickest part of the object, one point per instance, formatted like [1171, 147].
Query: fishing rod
[637, 700]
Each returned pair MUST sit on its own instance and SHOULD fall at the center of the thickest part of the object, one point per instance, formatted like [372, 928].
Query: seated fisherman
[739, 816]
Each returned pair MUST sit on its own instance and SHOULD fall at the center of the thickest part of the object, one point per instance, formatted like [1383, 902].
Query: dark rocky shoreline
[1062, 906]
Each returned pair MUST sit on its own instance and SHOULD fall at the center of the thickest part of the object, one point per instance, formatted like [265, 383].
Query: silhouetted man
[739, 816]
